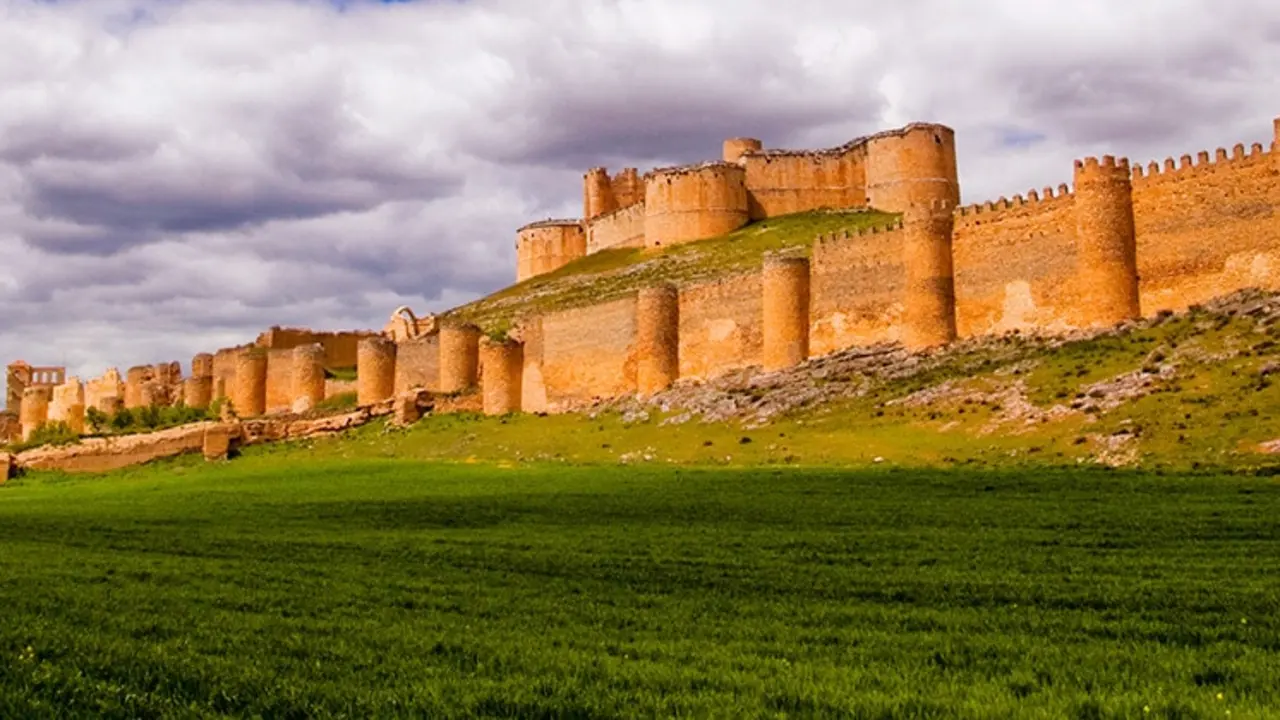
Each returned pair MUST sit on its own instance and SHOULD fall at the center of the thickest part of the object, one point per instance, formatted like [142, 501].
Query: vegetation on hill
[610, 274]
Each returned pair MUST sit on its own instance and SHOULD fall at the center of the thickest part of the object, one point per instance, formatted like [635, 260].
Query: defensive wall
[669, 206]
[1120, 241]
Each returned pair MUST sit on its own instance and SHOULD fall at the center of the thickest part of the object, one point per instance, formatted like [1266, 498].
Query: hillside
[612, 273]
[1186, 391]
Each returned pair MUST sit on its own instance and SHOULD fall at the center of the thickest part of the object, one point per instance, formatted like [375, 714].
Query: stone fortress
[1118, 243]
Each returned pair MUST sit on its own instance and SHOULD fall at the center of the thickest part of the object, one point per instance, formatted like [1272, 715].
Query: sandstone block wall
[418, 364]
[721, 326]
[340, 348]
[780, 182]
[622, 228]
[1016, 263]
[1206, 226]
[693, 203]
[914, 165]
[35, 409]
[581, 354]
[858, 286]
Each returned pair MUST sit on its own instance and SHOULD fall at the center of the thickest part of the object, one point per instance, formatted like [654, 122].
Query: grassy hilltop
[610, 274]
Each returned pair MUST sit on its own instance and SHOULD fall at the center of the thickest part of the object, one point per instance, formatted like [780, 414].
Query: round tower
[929, 312]
[502, 375]
[1107, 265]
[548, 245]
[912, 166]
[627, 189]
[597, 194]
[202, 365]
[657, 338]
[735, 148]
[134, 379]
[459, 357]
[786, 312]
[68, 404]
[249, 389]
[693, 203]
[35, 409]
[375, 370]
[308, 376]
[197, 391]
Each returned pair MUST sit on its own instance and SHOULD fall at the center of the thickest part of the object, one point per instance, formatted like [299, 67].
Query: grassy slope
[612, 273]
[283, 586]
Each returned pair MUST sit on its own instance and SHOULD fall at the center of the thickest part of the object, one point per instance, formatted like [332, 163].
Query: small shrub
[51, 433]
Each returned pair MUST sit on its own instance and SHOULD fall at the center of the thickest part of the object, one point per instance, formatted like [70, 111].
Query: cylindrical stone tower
[249, 391]
[459, 357]
[548, 245]
[153, 394]
[308, 376]
[1107, 260]
[735, 148]
[685, 204]
[657, 338]
[197, 392]
[202, 365]
[375, 370]
[597, 194]
[929, 312]
[68, 405]
[35, 409]
[502, 376]
[913, 165]
[133, 382]
[786, 311]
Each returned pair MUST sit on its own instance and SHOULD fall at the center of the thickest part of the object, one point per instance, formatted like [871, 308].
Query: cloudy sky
[178, 175]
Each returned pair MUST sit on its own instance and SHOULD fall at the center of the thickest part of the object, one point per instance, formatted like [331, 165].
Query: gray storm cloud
[177, 176]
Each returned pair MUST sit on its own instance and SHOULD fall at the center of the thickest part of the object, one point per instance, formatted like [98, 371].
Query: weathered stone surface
[217, 441]
[406, 410]
[103, 454]
[7, 467]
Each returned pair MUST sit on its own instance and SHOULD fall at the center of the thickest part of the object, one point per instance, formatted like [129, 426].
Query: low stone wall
[96, 455]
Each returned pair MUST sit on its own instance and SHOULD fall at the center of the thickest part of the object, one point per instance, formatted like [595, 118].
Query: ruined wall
[1206, 227]
[628, 188]
[585, 353]
[623, 228]
[418, 364]
[692, 203]
[1015, 264]
[548, 245]
[340, 348]
[857, 286]
[721, 326]
[781, 182]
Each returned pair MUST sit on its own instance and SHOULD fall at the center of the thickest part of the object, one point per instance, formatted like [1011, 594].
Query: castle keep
[888, 171]
[1118, 242]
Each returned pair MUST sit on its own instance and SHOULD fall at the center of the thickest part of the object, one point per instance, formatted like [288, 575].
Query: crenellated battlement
[1186, 167]
[1105, 169]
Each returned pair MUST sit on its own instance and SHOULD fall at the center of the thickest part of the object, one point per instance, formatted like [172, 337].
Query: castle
[1118, 243]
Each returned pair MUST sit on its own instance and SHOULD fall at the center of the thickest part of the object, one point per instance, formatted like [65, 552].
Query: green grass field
[292, 583]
